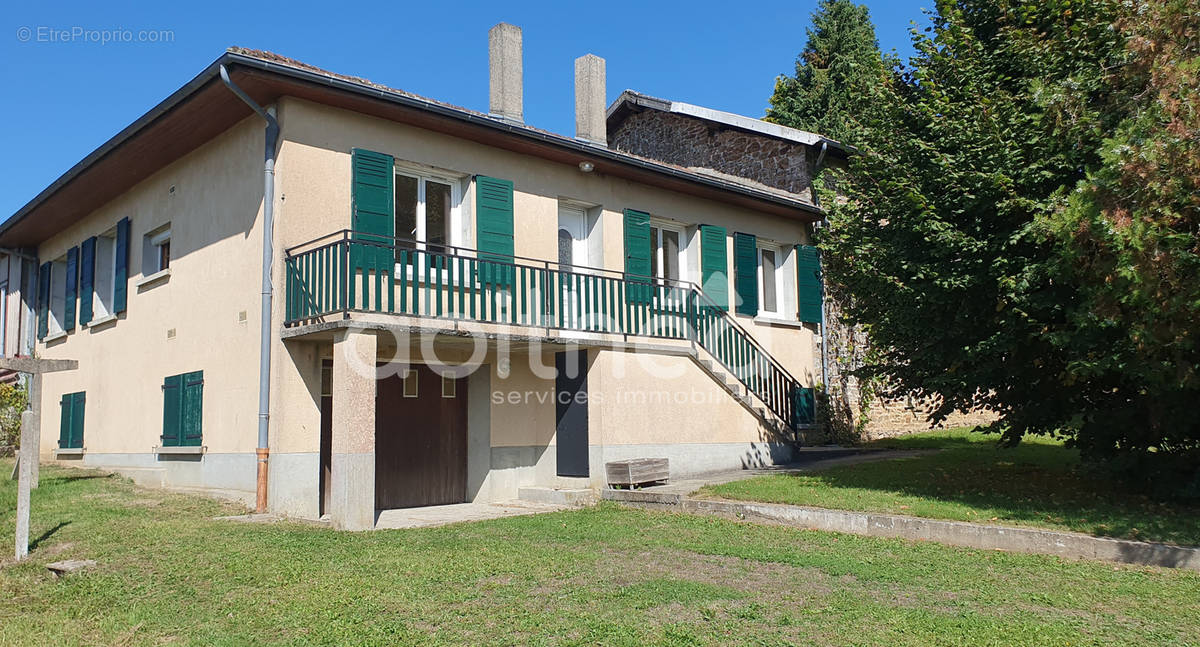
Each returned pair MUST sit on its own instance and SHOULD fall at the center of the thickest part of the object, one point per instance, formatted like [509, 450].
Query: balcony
[349, 273]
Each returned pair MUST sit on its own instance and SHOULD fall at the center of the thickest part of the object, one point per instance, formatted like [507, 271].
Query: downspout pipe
[824, 336]
[264, 351]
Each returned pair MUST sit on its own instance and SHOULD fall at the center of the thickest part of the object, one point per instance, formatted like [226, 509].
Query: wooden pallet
[637, 471]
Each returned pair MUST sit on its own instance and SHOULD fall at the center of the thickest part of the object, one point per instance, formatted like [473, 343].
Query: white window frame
[423, 174]
[56, 309]
[103, 301]
[4, 315]
[656, 247]
[778, 280]
[152, 255]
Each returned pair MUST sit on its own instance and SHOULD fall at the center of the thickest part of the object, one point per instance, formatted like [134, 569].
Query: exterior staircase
[346, 272]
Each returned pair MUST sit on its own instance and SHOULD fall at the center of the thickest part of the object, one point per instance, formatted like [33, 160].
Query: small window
[410, 383]
[770, 281]
[58, 295]
[105, 275]
[326, 378]
[449, 386]
[156, 251]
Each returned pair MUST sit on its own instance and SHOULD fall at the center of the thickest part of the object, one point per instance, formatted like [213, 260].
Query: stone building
[782, 159]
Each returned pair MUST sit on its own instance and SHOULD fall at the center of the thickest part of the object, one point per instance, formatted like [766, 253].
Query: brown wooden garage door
[420, 440]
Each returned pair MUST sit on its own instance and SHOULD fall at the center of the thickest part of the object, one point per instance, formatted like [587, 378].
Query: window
[105, 280]
[426, 210]
[58, 295]
[770, 280]
[156, 251]
[4, 318]
[70, 430]
[667, 251]
[449, 385]
[410, 383]
[183, 404]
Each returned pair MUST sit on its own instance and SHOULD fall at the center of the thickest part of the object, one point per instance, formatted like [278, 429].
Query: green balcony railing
[348, 272]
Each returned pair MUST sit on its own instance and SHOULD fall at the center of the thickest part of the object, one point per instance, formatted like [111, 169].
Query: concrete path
[807, 460]
[677, 497]
[441, 515]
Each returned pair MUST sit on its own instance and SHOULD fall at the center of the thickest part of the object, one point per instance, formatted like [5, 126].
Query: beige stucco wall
[214, 275]
[314, 178]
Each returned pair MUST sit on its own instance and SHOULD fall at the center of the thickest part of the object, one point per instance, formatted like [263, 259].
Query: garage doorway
[420, 439]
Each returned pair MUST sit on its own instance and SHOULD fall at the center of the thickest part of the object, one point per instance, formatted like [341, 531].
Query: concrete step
[558, 496]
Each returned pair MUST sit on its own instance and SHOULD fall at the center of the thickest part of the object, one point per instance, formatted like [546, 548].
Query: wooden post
[31, 433]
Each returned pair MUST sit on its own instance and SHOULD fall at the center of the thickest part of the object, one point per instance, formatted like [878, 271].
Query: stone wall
[694, 143]
[848, 420]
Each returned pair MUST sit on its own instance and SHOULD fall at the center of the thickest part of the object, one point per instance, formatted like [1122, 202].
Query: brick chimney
[589, 100]
[506, 78]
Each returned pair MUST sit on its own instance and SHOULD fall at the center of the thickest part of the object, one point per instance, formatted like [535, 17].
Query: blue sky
[64, 96]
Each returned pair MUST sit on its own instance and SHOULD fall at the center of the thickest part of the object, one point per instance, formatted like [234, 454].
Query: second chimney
[506, 77]
[590, 123]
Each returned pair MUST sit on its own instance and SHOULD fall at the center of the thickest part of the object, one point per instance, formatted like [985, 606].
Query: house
[449, 305]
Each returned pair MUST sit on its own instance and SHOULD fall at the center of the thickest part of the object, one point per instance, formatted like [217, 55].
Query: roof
[204, 108]
[631, 101]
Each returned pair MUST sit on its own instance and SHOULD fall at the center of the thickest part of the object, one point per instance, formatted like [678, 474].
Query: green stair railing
[347, 272]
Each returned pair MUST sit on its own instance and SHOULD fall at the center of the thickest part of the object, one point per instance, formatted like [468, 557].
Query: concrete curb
[955, 533]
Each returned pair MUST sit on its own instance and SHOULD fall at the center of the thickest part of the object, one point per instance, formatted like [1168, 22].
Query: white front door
[572, 253]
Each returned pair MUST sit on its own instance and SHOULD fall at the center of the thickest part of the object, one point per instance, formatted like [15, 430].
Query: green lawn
[1039, 483]
[170, 574]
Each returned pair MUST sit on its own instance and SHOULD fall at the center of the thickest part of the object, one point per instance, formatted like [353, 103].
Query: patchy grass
[170, 574]
[1038, 483]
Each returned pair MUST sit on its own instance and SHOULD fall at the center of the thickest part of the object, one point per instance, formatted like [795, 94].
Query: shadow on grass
[1038, 483]
[46, 535]
[62, 478]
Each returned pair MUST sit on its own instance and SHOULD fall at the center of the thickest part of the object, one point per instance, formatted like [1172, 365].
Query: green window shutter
[43, 303]
[714, 265]
[494, 228]
[374, 205]
[70, 428]
[193, 408]
[172, 411]
[64, 425]
[121, 267]
[78, 400]
[745, 273]
[72, 286]
[637, 256]
[808, 283]
[87, 279]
